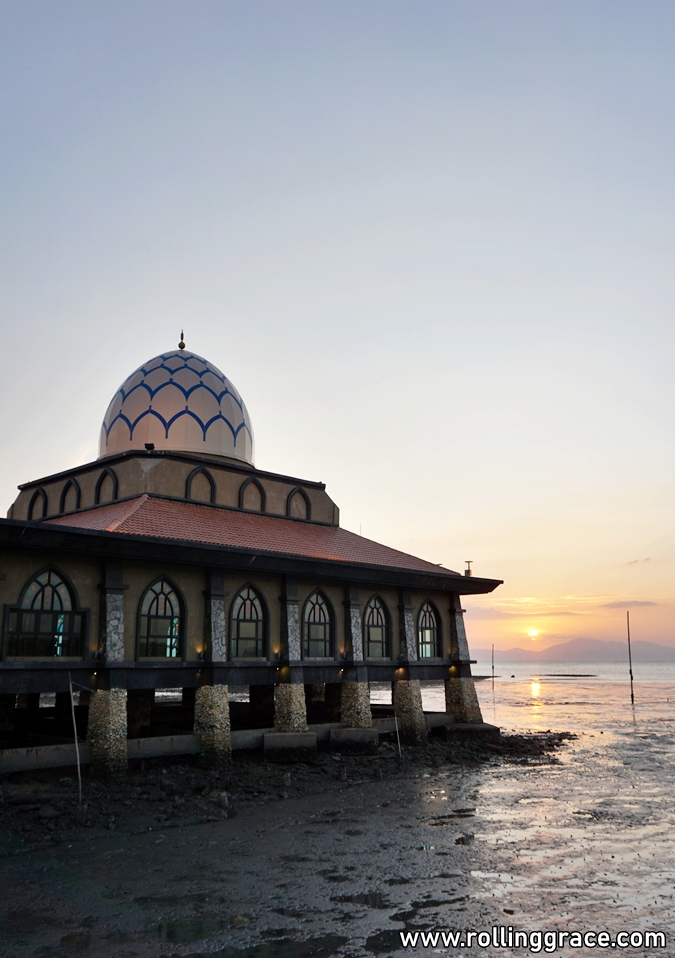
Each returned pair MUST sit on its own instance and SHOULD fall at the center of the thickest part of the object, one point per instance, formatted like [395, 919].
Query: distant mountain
[582, 650]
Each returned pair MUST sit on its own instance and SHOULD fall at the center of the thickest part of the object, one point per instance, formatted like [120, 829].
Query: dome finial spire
[181, 344]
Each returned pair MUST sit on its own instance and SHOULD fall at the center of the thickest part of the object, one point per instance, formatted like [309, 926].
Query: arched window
[376, 628]
[47, 621]
[248, 626]
[428, 633]
[160, 627]
[37, 508]
[317, 632]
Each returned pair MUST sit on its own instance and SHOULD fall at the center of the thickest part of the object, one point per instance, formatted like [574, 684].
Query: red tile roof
[190, 522]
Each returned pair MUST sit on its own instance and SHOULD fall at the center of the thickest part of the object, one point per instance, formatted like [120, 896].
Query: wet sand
[577, 837]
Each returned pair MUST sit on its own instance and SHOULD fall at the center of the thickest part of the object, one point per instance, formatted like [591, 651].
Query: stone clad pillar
[461, 700]
[107, 732]
[355, 705]
[211, 702]
[212, 723]
[355, 691]
[290, 709]
[107, 724]
[216, 638]
[406, 697]
[290, 637]
[406, 693]
[353, 628]
[113, 591]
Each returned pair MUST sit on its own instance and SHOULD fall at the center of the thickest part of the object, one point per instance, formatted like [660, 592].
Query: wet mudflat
[335, 862]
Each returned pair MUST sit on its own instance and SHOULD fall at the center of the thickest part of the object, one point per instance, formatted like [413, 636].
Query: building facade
[172, 562]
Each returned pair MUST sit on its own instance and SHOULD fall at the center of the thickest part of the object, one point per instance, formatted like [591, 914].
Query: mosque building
[171, 562]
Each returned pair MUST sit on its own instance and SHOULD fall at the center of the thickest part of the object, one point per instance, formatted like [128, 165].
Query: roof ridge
[135, 506]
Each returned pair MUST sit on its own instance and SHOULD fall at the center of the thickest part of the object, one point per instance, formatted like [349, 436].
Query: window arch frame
[319, 594]
[74, 624]
[298, 490]
[211, 481]
[99, 485]
[74, 484]
[182, 621]
[377, 602]
[252, 481]
[262, 638]
[38, 496]
[438, 639]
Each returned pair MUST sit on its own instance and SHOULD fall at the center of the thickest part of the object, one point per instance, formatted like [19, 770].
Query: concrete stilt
[406, 696]
[461, 700]
[315, 693]
[7, 705]
[261, 697]
[290, 712]
[187, 698]
[212, 723]
[28, 700]
[139, 710]
[107, 732]
[333, 700]
[355, 705]
[62, 711]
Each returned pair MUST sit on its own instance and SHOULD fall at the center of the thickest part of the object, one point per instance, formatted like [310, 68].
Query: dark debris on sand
[40, 809]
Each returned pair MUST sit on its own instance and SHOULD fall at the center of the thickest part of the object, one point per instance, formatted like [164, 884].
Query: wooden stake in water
[630, 660]
[77, 747]
[493, 666]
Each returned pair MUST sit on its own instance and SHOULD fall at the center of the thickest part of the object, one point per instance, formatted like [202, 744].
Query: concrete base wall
[290, 711]
[212, 724]
[355, 705]
[290, 746]
[461, 700]
[107, 732]
[406, 695]
[354, 740]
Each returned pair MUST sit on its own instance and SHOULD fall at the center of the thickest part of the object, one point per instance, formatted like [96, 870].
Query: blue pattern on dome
[173, 363]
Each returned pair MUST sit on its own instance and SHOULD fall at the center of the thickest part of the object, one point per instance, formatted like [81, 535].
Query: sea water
[586, 841]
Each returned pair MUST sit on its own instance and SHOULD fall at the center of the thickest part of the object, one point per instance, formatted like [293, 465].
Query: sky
[431, 244]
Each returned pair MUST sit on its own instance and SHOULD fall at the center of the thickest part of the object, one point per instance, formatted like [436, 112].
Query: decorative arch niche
[298, 505]
[106, 487]
[200, 486]
[70, 496]
[38, 506]
[252, 496]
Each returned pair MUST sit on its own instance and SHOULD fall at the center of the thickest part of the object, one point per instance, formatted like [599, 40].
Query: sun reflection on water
[535, 688]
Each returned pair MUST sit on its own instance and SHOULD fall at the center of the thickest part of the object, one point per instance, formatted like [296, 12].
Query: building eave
[15, 533]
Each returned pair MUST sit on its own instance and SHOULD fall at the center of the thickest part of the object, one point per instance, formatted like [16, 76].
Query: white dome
[179, 402]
